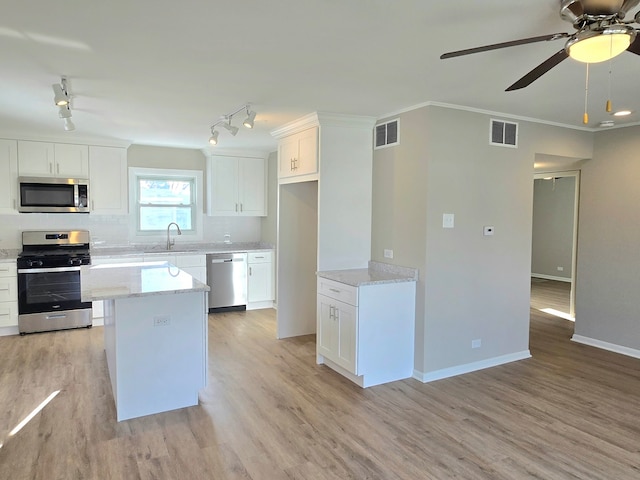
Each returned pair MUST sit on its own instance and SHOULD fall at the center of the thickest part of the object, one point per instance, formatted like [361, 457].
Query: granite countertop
[376, 273]
[9, 254]
[104, 282]
[178, 249]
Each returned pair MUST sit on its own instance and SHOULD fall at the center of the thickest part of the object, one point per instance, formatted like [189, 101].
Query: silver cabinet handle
[241, 207]
[250, 271]
[334, 290]
[57, 168]
[50, 167]
[236, 207]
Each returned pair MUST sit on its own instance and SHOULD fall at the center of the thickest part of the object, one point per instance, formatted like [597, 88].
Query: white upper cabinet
[43, 159]
[236, 186]
[108, 191]
[8, 176]
[298, 155]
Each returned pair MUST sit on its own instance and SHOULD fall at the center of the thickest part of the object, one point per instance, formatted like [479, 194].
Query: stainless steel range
[49, 281]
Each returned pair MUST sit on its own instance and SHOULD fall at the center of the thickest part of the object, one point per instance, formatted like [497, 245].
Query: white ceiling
[161, 73]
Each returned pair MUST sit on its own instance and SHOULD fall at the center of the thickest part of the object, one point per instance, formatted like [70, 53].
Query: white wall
[553, 218]
[471, 286]
[607, 279]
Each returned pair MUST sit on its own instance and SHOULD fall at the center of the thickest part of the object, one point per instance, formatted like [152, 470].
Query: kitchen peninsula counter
[155, 334]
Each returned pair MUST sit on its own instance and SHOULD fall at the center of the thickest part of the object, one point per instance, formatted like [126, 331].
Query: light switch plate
[448, 220]
[388, 253]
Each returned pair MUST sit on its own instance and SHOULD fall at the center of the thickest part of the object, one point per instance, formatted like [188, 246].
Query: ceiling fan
[601, 34]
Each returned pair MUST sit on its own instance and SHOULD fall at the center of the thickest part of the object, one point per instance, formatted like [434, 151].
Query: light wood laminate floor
[550, 294]
[269, 413]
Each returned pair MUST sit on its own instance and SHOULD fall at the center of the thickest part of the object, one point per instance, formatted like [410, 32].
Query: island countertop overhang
[112, 281]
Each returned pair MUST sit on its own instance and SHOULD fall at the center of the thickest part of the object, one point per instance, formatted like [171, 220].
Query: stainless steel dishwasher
[227, 278]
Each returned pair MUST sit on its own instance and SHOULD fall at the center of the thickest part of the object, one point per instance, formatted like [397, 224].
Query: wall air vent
[387, 134]
[504, 134]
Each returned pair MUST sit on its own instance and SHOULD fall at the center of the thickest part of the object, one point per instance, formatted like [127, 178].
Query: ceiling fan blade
[635, 46]
[513, 43]
[540, 70]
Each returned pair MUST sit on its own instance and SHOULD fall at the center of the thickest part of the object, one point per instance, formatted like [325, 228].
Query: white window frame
[135, 173]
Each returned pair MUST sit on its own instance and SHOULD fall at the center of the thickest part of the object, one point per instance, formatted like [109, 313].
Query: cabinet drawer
[8, 269]
[8, 289]
[260, 257]
[8, 314]
[339, 291]
[115, 260]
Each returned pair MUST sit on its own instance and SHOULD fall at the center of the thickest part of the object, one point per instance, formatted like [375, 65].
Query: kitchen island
[155, 334]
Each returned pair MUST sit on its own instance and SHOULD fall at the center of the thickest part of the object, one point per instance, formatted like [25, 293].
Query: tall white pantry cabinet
[325, 165]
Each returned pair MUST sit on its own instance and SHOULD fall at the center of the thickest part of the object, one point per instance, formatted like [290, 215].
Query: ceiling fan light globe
[599, 46]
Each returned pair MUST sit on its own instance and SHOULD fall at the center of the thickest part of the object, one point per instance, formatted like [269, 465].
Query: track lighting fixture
[251, 116]
[225, 122]
[62, 98]
[61, 95]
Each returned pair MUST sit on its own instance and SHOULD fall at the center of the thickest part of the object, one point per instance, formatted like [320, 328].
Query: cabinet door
[347, 336]
[252, 186]
[36, 159]
[260, 284]
[108, 180]
[327, 331]
[8, 176]
[307, 161]
[223, 186]
[287, 154]
[71, 160]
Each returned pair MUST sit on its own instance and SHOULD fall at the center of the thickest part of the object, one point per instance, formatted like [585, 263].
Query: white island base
[156, 351]
[155, 334]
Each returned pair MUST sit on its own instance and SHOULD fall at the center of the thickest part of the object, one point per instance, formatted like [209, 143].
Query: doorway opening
[554, 242]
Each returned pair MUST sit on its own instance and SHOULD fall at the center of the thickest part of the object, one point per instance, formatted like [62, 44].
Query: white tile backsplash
[114, 229]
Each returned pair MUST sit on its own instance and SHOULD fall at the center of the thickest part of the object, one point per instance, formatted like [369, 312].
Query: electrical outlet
[448, 220]
[388, 253]
[161, 320]
[477, 343]
[561, 269]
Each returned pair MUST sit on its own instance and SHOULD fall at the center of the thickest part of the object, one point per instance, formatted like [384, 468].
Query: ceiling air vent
[387, 134]
[503, 133]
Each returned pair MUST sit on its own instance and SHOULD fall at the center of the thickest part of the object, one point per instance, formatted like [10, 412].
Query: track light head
[213, 140]
[232, 130]
[59, 96]
[68, 125]
[251, 116]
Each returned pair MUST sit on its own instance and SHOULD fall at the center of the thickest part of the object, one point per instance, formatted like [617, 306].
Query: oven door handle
[49, 270]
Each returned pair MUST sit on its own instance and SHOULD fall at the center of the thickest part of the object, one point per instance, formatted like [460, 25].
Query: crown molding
[502, 115]
[317, 119]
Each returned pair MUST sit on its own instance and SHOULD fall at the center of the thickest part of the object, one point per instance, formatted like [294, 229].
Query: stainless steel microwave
[53, 195]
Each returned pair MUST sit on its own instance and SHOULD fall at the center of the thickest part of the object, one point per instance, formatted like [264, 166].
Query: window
[162, 196]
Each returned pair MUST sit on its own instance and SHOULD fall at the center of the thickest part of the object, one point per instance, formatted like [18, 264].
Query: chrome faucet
[171, 243]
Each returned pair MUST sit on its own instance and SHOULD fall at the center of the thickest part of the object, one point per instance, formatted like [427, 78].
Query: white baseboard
[470, 367]
[612, 347]
[6, 331]
[551, 277]
[259, 305]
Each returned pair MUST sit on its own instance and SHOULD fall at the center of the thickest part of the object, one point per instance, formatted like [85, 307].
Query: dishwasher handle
[225, 260]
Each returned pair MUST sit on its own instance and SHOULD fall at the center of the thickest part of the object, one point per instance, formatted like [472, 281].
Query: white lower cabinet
[366, 333]
[260, 280]
[8, 295]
